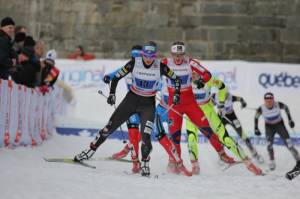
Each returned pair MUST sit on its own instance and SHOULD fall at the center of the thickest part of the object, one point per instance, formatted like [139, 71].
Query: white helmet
[51, 54]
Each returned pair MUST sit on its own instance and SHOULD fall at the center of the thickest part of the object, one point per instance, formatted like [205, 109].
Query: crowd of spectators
[22, 58]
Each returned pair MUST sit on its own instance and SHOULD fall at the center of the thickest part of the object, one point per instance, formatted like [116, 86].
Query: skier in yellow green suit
[203, 97]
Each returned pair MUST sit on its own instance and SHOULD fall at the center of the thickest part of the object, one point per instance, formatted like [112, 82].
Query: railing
[26, 114]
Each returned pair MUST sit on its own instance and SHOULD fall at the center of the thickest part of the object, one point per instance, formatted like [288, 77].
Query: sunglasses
[149, 56]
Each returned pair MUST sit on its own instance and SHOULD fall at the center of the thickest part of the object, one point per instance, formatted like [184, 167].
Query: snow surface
[25, 175]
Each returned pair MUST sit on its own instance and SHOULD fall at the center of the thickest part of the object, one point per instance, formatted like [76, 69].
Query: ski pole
[168, 109]
[175, 111]
[101, 93]
[228, 120]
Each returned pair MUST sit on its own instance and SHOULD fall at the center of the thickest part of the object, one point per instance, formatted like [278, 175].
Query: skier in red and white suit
[183, 67]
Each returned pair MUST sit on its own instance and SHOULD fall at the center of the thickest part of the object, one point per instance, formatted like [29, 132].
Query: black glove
[176, 98]
[111, 99]
[220, 107]
[106, 79]
[244, 104]
[257, 132]
[199, 83]
[292, 124]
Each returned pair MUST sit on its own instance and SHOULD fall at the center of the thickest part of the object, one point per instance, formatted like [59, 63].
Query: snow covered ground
[25, 175]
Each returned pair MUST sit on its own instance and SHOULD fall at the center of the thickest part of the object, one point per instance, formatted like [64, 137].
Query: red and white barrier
[26, 115]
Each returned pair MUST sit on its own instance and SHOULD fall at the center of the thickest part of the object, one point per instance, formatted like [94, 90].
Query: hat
[269, 95]
[178, 48]
[149, 51]
[51, 54]
[29, 41]
[7, 21]
[19, 37]
[28, 51]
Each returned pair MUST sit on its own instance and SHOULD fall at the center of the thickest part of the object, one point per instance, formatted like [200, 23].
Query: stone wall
[257, 30]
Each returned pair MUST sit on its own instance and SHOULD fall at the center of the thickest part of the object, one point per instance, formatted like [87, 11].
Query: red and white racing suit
[188, 104]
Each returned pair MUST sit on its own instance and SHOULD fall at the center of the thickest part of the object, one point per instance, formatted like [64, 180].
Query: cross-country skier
[203, 98]
[146, 73]
[161, 116]
[132, 123]
[229, 117]
[271, 111]
[163, 139]
[183, 67]
[294, 172]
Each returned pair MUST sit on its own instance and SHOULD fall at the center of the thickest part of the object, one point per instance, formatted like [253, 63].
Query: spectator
[29, 42]
[18, 43]
[49, 73]
[39, 49]
[80, 54]
[20, 28]
[7, 56]
[27, 68]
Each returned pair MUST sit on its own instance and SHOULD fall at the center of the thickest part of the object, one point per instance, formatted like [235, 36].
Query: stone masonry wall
[256, 30]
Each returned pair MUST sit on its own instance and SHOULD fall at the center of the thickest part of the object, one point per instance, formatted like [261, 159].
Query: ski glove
[111, 99]
[200, 84]
[220, 107]
[292, 124]
[257, 132]
[106, 79]
[244, 104]
[176, 98]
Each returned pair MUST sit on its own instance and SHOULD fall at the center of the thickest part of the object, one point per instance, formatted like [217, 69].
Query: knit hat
[7, 21]
[29, 41]
[51, 54]
[19, 37]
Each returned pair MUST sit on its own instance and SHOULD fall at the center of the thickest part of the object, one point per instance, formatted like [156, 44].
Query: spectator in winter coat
[80, 54]
[27, 68]
[7, 56]
[18, 43]
[20, 28]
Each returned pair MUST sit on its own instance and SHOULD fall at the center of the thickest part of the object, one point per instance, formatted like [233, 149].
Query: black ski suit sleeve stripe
[286, 108]
[120, 74]
[257, 115]
[165, 70]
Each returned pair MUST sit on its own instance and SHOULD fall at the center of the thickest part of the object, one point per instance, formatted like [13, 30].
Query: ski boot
[145, 169]
[294, 172]
[121, 154]
[136, 167]
[225, 158]
[251, 167]
[195, 167]
[172, 167]
[182, 169]
[84, 155]
[272, 165]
